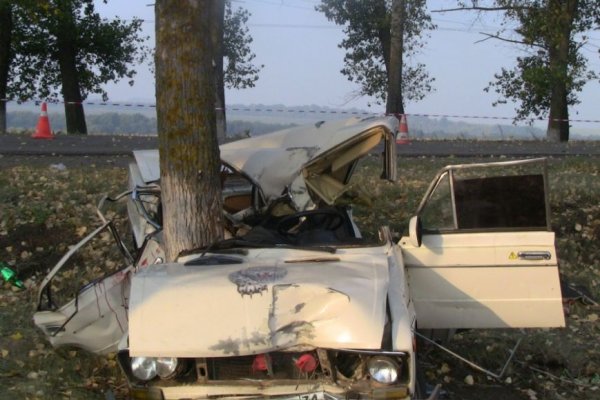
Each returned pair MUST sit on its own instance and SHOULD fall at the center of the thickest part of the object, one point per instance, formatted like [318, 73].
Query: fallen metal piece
[471, 363]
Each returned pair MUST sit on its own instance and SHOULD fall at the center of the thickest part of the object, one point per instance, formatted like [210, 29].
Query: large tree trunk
[189, 152]
[395, 104]
[563, 12]
[67, 53]
[74, 114]
[558, 121]
[5, 57]
[218, 17]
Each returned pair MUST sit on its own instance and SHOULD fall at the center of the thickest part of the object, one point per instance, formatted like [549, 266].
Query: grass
[43, 211]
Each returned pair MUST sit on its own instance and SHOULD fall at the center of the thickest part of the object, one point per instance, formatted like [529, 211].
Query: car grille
[275, 365]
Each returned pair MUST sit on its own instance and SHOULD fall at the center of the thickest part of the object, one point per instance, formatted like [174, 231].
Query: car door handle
[534, 255]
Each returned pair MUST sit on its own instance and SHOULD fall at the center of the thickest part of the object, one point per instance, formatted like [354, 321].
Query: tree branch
[490, 36]
[477, 8]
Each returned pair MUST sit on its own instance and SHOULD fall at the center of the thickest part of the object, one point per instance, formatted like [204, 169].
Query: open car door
[480, 252]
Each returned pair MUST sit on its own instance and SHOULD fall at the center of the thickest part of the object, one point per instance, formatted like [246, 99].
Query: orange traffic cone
[402, 137]
[42, 131]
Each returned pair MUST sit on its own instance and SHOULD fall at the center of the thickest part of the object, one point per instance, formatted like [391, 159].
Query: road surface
[116, 149]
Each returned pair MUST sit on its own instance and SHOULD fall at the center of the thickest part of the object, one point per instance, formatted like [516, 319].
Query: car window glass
[500, 202]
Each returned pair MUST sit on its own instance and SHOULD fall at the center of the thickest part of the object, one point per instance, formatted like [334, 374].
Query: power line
[339, 27]
[315, 111]
[469, 25]
[282, 4]
[294, 26]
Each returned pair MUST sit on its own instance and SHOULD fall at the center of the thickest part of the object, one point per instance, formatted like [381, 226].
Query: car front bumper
[300, 391]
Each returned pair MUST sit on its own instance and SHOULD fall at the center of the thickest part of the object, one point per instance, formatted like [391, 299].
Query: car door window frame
[449, 172]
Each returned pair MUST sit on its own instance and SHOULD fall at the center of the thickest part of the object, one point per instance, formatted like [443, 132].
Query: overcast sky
[298, 48]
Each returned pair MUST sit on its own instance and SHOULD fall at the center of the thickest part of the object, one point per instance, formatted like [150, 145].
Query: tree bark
[189, 152]
[5, 57]
[218, 17]
[383, 31]
[563, 12]
[67, 56]
[395, 102]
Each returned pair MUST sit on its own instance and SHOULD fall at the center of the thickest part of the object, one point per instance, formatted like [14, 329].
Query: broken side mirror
[415, 231]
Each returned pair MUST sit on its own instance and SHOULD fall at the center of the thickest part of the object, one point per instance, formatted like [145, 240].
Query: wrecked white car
[295, 304]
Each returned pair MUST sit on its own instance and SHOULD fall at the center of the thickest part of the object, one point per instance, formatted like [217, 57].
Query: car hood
[258, 306]
[319, 157]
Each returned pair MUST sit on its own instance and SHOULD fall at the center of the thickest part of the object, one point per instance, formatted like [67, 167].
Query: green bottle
[10, 276]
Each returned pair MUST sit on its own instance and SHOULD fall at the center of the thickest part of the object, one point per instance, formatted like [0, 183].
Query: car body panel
[402, 311]
[290, 391]
[272, 300]
[96, 318]
[148, 163]
[477, 280]
[139, 225]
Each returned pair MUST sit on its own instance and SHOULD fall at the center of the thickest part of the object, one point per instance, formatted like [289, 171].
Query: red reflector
[306, 363]
[259, 363]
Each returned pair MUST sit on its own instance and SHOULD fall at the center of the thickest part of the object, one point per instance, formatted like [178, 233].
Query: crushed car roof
[275, 162]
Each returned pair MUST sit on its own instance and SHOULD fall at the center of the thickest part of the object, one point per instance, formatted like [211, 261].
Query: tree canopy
[233, 56]
[546, 80]
[368, 26]
[64, 48]
[105, 50]
[239, 71]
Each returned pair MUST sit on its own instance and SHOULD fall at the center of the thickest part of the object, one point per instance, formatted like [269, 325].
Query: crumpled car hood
[257, 306]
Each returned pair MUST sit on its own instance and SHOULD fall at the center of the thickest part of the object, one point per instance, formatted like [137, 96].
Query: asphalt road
[70, 145]
[71, 150]
[74, 149]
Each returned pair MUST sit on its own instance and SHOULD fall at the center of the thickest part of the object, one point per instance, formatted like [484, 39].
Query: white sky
[298, 47]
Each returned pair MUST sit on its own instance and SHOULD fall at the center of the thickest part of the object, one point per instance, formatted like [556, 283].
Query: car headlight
[166, 367]
[143, 368]
[383, 369]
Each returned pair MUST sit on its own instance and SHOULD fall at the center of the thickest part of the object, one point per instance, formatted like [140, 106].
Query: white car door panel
[492, 265]
[484, 280]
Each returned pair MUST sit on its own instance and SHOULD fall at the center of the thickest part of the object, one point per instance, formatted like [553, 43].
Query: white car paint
[477, 280]
[272, 300]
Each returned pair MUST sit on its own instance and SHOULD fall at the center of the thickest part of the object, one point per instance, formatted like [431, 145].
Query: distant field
[45, 209]
[261, 118]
